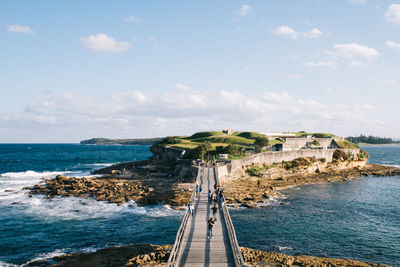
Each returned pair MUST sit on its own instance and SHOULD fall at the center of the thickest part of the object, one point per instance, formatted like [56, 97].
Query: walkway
[196, 248]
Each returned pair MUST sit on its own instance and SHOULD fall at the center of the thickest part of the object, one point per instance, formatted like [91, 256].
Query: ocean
[359, 219]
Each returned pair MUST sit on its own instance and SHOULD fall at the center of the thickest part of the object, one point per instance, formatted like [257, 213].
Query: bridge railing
[237, 254]
[174, 256]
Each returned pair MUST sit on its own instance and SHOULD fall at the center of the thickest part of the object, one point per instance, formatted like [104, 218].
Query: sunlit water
[33, 228]
[357, 219]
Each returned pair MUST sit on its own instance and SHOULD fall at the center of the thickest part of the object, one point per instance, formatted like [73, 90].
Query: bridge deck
[197, 249]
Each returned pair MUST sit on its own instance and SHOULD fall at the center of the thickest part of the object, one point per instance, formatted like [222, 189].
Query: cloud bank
[61, 117]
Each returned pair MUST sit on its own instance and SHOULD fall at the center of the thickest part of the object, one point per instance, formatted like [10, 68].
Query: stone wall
[235, 169]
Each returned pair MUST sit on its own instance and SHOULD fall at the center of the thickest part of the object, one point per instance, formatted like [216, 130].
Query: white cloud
[357, 1]
[131, 19]
[353, 50]
[19, 29]
[314, 33]
[393, 13]
[392, 44]
[384, 81]
[320, 64]
[179, 110]
[294, 76]
[244, 10]
[103, 43]
[286, 31]
[356, 63]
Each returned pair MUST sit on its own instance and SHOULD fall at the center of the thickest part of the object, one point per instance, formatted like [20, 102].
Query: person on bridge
[210, 227]
[191, 208]
[197, 190]
[214, 211]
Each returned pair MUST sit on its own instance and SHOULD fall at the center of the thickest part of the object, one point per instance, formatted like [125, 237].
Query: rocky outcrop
[145, 184]
[152, 255]
[133, 255]
[258, 187]
[260, 258]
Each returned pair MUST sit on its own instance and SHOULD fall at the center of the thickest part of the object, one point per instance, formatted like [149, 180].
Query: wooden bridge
[192, 247]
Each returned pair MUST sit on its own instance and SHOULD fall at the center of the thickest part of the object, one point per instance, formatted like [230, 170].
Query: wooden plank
[197, 248]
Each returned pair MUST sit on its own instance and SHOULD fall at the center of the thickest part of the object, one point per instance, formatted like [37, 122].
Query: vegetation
[256, 171]
[106, 141]
[251, 135]
[346, 144]
[200, 151]
[260, 142]
[363, 154]
[371, 139]
[231, 149]
[323, 135]
[340, 155]
[299, 162]
[204, 134]
[225, 139]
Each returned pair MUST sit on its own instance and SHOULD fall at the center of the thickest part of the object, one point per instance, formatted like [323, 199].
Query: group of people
[217, 198]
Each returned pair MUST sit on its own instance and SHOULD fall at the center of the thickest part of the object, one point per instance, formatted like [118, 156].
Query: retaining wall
[236, 168]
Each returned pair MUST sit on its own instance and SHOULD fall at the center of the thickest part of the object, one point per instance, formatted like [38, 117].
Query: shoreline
[251, 191]
[154, 255]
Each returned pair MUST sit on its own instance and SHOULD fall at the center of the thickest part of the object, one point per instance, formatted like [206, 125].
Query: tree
[201, 150]
[260, 143]
[234, 150]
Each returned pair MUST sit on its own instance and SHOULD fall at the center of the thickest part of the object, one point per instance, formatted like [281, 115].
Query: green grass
[347, 144]
[204, 134]
[226, 140]
[249, 135]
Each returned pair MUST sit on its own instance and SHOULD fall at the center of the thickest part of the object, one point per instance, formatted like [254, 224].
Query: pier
[192, 246]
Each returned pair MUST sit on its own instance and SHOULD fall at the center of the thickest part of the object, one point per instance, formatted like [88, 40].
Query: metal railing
[237, 254]
[174, 256]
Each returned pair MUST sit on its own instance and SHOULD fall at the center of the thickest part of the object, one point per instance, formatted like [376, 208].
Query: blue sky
[71, 70]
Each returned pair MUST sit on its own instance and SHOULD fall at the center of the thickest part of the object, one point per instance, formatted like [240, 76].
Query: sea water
[358, 219]
[36, 227]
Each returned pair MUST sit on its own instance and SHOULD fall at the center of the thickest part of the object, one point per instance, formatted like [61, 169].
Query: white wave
[101, 164]
[60, 252]
[76, 208]
[284, 248]
[274, 201]
[5, 264]
[392, 165]
[153, 211]
[45, 256]
[32, 174]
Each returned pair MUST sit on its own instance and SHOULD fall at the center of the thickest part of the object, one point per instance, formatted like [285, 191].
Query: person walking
[210, 227]
[209, 196]
[197, 190]
[214, 211]
[190, 208]
[221, 200]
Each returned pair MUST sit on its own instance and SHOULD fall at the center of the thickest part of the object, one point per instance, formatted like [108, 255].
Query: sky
[73, 70]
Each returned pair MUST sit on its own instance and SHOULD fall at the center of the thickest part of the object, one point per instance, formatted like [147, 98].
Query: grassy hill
[106, 141]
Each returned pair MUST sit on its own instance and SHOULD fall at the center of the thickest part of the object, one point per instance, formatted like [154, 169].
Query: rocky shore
[255, 257]
[149, 184]
[152, 255]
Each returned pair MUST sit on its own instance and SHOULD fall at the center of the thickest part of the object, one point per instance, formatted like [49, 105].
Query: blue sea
[358, 220]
